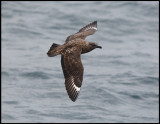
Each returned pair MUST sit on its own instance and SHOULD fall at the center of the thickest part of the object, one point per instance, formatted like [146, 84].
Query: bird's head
[94, 45]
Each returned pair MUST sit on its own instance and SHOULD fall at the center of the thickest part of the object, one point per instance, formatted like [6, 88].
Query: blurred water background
[121, 80]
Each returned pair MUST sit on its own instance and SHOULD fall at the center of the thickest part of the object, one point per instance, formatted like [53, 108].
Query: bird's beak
[99, 47]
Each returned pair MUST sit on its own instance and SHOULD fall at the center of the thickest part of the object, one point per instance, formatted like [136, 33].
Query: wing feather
[73, 71]
[84, 32]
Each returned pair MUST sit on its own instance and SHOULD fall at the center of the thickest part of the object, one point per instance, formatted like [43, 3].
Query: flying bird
[71, 63]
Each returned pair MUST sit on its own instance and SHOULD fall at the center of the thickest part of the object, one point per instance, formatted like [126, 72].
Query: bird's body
[71, 51]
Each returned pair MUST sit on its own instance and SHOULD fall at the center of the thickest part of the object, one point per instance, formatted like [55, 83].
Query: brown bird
[71, 51]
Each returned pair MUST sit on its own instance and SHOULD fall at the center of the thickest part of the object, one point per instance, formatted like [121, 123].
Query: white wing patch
[92, 28]
[77, 88]
[88, 28]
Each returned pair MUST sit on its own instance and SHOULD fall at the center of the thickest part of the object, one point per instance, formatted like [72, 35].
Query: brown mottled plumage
[71, 51]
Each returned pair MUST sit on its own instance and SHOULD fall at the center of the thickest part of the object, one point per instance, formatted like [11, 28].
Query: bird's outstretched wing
[73, 71]
[84, 32]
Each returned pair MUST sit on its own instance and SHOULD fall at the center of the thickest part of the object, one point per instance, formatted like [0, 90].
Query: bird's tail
[54, 50]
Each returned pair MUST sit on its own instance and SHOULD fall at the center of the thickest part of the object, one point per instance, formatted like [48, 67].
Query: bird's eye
[93, 44]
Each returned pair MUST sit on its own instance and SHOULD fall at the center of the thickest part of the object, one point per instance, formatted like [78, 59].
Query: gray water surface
[121, 82]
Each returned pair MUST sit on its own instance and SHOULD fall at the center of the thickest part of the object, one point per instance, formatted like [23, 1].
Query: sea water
[120, 82]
